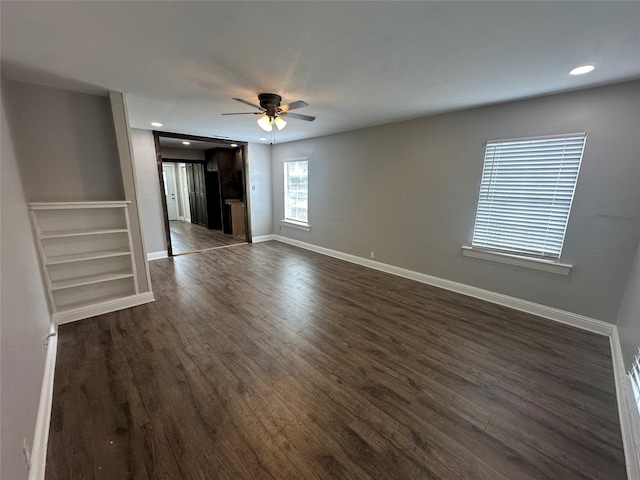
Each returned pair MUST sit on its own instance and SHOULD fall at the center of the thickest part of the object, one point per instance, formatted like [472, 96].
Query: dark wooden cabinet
[197, 193]
[228, 168]
[211, 183]
[214, 200]
[230, 176]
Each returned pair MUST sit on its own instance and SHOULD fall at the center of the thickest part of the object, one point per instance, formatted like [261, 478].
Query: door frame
[172, 166]
[242, 146]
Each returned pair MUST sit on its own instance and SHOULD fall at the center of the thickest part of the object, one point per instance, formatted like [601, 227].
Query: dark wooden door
[200, 193]
[192, 194]
[214, 200]
[197, 193]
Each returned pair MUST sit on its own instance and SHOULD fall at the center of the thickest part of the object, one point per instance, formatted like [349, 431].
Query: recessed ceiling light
[582, 69]
[234, 144]
[156, 124]
[264, 139]
[186, 143]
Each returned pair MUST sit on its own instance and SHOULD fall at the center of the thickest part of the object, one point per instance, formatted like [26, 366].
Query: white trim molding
[43, 420]
[562, 316]
[102, 308]
[292, 224]
[518, 260]
[263, 238]
[157, 255]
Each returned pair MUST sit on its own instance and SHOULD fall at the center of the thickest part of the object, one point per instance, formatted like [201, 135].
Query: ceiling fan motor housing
[270, 102]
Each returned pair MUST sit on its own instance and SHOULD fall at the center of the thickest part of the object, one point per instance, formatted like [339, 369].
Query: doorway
[205, 192]
[169, 178]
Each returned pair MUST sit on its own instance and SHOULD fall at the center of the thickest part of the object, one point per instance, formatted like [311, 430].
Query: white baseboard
[157, 255]
[629, 416]
[41, 434]
[100, 308]
[263, 238]
[573, 319]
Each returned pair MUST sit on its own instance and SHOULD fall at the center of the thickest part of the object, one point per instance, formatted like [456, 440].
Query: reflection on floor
[188, 237]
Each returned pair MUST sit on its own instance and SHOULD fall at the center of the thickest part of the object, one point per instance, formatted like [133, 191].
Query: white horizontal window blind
[634, 375]
[526, 193]
[296, 185]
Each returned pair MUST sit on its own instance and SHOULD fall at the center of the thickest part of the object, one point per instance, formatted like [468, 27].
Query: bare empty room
[320, 240]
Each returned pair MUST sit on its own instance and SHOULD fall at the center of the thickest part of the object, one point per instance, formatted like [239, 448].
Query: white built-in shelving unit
[85, 252]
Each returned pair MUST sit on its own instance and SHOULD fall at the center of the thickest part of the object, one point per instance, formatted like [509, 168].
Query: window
[634, 375]
[296, 191]
[525, 195]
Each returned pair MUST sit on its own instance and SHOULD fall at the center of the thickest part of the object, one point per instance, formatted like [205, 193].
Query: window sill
[300, 226]
[526, 262]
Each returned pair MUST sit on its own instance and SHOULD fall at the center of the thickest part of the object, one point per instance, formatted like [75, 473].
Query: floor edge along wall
[629, 421]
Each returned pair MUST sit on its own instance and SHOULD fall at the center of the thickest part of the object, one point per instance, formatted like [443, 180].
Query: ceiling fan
[272, 113]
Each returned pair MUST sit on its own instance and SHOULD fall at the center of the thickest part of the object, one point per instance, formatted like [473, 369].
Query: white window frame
[290, 221]
[502, 174]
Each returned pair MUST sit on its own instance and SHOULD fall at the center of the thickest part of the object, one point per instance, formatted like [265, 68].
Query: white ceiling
[356, 63]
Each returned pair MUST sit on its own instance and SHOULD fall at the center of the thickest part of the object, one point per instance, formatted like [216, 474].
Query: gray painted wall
[144, 152]
[259, 179]
[66, 143]
[629, 315]
[408, 191]
[24, 315]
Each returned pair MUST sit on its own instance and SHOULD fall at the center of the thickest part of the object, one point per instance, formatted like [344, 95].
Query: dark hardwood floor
[187, 237]
[270, 362]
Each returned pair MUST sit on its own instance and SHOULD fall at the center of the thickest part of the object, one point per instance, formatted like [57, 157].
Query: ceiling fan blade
[243, 113]
[248, 103]
[293, 105]
[298, 116]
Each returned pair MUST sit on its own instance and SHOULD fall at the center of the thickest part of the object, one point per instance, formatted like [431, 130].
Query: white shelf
[80, 233]
[77, 205]
[89, 280]
[85, 252]
[88, 303]
[81, 257]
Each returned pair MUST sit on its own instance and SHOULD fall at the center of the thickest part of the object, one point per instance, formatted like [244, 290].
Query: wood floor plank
[270, 362]
[189, 237]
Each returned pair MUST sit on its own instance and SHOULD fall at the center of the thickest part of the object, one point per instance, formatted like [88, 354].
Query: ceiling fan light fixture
[264, 122]
[280, 123]
[272, 112]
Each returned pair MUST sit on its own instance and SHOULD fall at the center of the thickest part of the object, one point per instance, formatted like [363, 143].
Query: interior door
[184, 191]
[168, 172]
[197, 193]
[201, 196]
